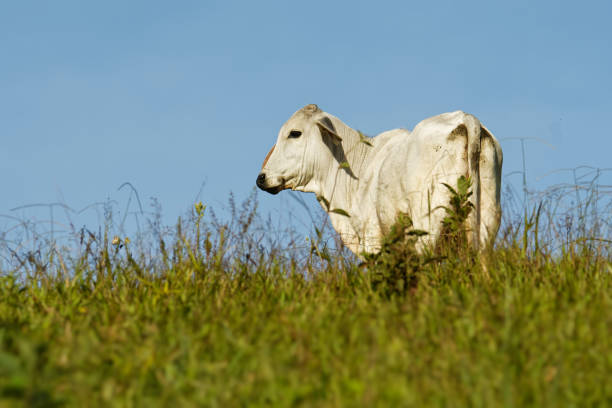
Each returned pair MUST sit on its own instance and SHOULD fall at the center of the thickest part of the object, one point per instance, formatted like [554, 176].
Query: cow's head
[304, 146]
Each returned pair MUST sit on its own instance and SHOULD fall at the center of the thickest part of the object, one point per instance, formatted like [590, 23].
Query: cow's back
[412, 167]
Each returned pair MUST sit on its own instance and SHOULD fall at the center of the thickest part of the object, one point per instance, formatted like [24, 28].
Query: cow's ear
[327, 127]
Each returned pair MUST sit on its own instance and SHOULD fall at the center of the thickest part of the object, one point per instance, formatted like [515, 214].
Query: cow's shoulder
[389, 136]
[386, 141]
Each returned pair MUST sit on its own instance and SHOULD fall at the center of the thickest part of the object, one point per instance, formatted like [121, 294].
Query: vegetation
[212, 314]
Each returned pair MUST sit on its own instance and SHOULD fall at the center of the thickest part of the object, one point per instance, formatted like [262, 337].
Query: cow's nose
[261, 179]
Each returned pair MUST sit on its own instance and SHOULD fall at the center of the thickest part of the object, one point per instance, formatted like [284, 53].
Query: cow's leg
[431, 213]
[371, 238]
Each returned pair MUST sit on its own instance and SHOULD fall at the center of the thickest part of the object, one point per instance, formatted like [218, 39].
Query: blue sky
[168, 95]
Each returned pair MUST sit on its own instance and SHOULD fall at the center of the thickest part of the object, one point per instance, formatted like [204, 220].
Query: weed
[396, 267]
[454, 234]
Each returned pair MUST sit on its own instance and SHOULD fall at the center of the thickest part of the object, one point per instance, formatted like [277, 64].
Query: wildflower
[199, 207]
[116, 240]
[126, 240]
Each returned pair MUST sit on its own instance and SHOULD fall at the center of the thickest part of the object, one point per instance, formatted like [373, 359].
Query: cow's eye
[295, 134]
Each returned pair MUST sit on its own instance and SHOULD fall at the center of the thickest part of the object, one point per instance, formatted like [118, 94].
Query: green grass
[208, 327]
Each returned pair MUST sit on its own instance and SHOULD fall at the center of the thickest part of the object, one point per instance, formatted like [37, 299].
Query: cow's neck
[336, 182]
[336, 186]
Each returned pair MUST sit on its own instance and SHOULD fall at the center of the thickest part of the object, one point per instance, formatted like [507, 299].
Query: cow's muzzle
[261, 183]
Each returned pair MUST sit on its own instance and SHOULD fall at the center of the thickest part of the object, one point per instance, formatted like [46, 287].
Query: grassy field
[213, 318]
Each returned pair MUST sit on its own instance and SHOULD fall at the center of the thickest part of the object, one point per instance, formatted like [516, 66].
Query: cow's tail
[473, 127]
[490, 166]
[484, 159]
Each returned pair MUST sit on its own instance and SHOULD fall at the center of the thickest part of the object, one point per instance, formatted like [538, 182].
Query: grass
[214, 316]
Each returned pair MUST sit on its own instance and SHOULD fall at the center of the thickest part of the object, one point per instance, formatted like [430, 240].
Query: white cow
[374, 179]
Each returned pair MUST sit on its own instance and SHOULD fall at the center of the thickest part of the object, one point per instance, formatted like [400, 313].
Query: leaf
[463, 184]
[364, 139]
[340, 211]
[321, 198]
[418, 233]
[445, 208]
[451, 189]
[344, 165]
